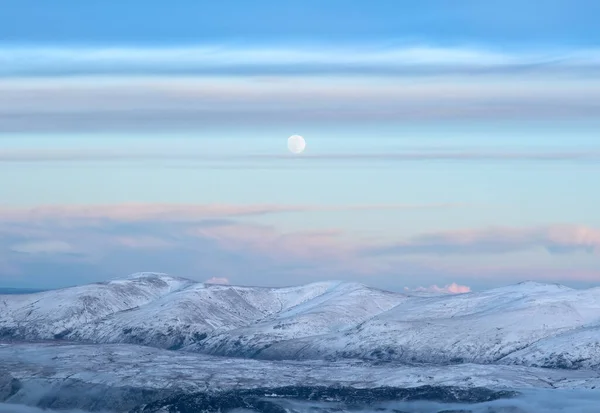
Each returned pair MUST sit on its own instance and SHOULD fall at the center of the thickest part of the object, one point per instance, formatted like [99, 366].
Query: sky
[451, 146]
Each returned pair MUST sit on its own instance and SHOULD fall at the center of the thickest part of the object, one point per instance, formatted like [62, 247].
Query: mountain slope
[188, 316]
[50, 313]
[162, 311]
[528, 323]
[339, 308]
[572, 350]
[476, 327]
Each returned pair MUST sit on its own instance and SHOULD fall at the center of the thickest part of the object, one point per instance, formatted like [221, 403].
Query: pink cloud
[141, 242]
[222, 248]
[453, 288]
[267, 241]
[554, 239]
[457, 289]
[179, 212]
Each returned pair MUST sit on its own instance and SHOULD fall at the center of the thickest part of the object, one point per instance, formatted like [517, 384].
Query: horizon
[432, 290]
[446, 145]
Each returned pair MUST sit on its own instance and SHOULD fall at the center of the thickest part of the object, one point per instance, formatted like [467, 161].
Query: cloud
[555, 239]
[194, 248]
[448, 289]
[188, 240]
[306, 246]
[217, 280]
[78, 244]
[185, 212]
[135, 119]
[234, 161]
[458, 156]
[43, 247]
[145, 242]
[144, 101]
[517, 272]
[212, 59]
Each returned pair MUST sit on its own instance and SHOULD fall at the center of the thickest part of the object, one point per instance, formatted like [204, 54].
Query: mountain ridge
[528, 323]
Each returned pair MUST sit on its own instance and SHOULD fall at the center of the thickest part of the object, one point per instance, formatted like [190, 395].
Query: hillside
[530, 324]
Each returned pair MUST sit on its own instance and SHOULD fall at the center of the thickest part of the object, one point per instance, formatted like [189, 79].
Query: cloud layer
[557, 239]
[447, 289]
[190, 159]
[207, 59]
[118, 89]
[186, 212]
[68, 245]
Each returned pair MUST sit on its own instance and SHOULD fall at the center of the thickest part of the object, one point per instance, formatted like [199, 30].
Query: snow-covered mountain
[50, 314]
[190, 315]
[339, 309]
[571, 350]
[477, 327]
[528, 323]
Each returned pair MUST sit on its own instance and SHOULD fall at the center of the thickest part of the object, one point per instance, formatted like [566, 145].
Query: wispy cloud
[81, 250]
[43, 247]
[87, 89]
[217, 280]
[204, 160]
[554, 239]
[73, 244]
[415, 59]
[76, 245]
[480, 275]
[186, 212]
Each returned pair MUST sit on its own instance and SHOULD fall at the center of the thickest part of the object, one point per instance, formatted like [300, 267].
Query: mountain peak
[532, 286]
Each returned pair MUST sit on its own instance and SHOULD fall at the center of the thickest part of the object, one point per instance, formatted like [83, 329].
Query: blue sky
[447, 142]
[506, 23]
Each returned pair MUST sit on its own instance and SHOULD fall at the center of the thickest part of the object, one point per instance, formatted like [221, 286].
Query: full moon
[296, 144]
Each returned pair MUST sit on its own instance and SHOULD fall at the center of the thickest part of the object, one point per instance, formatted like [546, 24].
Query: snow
[42, 315]
[531, 324]
[577, 349]
[475, 327]
[122, 365]
[337, 309]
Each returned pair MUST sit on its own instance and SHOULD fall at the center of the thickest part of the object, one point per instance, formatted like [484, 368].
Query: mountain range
[527, 324]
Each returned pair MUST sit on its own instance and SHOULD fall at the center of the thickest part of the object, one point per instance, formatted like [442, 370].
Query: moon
[296, 144]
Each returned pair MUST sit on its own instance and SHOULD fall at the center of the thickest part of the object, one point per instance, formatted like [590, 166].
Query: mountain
[52, 314]
[530, 324]
[190, 315]
[578, 349]
[482, 327]
[338, 309]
